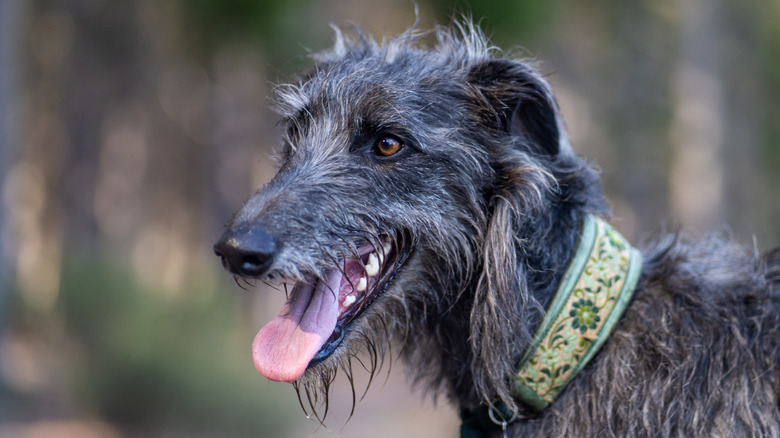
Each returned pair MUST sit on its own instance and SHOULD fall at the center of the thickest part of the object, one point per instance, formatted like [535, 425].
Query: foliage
[149, 360]
[276, 26]
[507, 22]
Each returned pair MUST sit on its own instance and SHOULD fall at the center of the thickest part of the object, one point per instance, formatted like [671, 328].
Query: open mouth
[316, 317]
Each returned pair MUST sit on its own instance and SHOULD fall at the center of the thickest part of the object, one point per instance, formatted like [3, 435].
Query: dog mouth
[318, 313]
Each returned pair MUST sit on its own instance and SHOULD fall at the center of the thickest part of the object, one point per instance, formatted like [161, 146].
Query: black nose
[247, 252]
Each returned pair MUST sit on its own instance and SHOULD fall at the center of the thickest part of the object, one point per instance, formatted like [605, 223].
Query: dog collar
[593, 294]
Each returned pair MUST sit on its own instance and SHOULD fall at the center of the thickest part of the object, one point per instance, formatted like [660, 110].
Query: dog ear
[511, 100]
[516, 100]
[500, 296]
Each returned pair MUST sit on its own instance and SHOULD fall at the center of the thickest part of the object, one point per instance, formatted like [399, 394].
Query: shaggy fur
[487, 198]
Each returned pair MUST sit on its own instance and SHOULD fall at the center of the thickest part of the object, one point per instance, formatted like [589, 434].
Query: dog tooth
[349, 300]
[372, 267]
[381, 256]
[386, 246]
[362, 283]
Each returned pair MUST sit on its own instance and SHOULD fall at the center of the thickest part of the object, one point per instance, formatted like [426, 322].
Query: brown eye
[387, 146]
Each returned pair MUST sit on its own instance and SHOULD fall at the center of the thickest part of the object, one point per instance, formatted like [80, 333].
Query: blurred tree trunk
[699, 117]
[121, 139]
[10, 20]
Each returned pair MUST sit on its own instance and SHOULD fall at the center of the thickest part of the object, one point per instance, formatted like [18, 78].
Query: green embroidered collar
[594, 291]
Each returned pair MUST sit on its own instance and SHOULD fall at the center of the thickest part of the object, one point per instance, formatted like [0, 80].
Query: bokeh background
[130, 130]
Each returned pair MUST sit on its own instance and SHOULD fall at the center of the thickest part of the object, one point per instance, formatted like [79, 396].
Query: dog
[429, 198]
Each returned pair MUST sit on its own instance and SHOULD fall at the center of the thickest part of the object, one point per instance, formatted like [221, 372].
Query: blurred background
[130, 130]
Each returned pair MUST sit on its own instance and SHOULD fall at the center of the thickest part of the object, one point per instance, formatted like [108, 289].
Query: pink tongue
[284, 347]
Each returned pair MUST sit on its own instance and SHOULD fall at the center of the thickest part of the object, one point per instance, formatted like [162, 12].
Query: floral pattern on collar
[595, 290]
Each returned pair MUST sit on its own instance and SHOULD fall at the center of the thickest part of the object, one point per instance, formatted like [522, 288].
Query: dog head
[405, 179]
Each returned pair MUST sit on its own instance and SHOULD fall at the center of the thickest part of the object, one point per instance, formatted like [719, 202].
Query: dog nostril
[224, 260]
[251, 263]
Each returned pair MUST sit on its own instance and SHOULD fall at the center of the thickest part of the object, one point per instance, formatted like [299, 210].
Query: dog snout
[247, 252]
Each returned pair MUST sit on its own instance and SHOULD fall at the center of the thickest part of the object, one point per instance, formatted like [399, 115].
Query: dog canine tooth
[349, 300]
[372, 267]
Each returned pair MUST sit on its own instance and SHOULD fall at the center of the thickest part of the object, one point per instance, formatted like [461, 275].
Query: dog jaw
[312, 323]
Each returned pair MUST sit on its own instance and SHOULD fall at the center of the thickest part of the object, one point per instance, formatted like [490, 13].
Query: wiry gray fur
[490, 197]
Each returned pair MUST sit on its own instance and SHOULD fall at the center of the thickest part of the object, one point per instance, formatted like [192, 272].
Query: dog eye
[387, 146]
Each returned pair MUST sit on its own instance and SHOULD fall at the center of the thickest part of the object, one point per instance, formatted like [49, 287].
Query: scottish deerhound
[428, 198]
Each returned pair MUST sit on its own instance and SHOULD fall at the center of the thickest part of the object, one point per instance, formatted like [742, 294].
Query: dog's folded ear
[516, 100]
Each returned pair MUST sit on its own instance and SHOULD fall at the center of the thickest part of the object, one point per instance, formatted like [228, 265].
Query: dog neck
[594, 292]
[591, 296]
